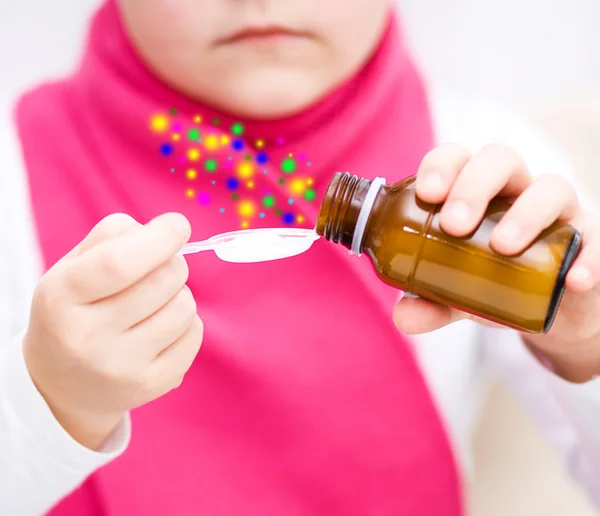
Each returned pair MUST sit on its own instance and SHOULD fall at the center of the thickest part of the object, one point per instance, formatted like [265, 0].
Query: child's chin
[278, 97]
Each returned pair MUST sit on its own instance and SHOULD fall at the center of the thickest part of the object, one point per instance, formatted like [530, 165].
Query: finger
[146, 297]
[584, 275]
[166, 326]
[548, 199]
[177, 358]
[416, 316]
[114, 265]
[108, 228]
[495, 170]
[438, 171]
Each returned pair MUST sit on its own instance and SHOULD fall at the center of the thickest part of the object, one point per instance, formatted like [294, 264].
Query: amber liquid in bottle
[408, 249]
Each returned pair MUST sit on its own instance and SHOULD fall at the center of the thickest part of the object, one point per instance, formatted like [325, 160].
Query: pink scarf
[304, 399]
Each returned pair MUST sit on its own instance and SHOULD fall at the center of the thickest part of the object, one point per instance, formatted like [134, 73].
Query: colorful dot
[234, 197]
[233, 183]
[222, 210]
[310, 195]
[308, 163]
[309, 182]
[166, 149]
[300, 219]
[262, 158]
[288, 218]
[173, 111]
[177, 127]
[216, 121]
[245, 224]
[191, 174]
[204, 199]
[278, 212]
[297, 186]
[281, 180]
[193, 134]
[190, 193]
[176, 137]
[211, 142]
[213, 182]
[181, 160]
[260, 144]
[268, 201]
[250, 184]
[280, 141]
[237, 129]
[210, 165]
[288, 165]
[246, 209]
[261, 215]
[245, 170]
[225, 140]
[197, 119]
[290, 201]
[172, 170]
[237, 145]
[302, 157]
[193, 154]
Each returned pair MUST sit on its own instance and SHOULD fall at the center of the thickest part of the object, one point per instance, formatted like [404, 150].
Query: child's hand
[466, 184]
[113, 324]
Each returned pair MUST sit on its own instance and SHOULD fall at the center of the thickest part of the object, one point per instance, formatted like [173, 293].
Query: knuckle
[449, 154]
[111, 269]
[505, 153]
[185, 304]
[114, 224]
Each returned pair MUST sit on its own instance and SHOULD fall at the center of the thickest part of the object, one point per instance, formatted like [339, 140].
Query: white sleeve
[567, 414]
[39, 462]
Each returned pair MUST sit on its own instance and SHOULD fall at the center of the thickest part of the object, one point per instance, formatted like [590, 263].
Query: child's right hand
[113, 324]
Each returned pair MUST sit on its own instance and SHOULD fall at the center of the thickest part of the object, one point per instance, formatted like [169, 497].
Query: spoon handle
[197, 247]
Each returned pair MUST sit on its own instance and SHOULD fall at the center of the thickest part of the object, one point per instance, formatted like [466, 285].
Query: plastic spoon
[256, 245]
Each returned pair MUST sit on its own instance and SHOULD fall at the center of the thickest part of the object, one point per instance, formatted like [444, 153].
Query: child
[305, 398]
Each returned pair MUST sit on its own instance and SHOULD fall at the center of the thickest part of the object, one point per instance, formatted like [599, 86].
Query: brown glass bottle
[402, 236]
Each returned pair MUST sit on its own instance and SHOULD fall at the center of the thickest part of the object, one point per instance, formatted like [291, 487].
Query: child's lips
[267, 34]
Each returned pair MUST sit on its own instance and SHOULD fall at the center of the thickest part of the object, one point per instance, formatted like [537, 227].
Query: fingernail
[582, 275]
[459, 211]
[509, 231]
[431, 181]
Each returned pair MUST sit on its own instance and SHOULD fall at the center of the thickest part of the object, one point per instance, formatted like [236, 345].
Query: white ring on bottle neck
[364, 214]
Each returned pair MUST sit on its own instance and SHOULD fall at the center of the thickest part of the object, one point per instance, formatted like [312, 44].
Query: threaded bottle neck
[345, 210]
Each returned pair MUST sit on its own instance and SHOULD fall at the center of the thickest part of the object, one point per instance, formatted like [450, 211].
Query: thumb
[415, 315]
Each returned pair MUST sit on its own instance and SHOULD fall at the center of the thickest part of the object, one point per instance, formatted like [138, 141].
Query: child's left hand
[466, 184]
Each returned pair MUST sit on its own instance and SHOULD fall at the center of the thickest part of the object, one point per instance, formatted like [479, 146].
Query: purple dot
[204, 199]
[288, 218]
[177, 127]
[302, 157]
[262, 158]
[182, 160]
[166, 149]
[280, 141]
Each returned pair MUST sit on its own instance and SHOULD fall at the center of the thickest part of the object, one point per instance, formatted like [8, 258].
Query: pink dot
[182, 160]
[204, 198]
[177, 127]
[280, 141]
[302, 157]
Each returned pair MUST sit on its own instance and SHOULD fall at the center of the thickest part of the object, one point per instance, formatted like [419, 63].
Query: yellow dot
[300, 219]
[309, 182]
[260, 144]
[211, 142]
[297, 186]
[250, 184]
[245, 170]
[190, 193]
[246, 209]
[159, 123]
[245, 224]
[197, 119]
[290, 155]
[224, 140]
[176, 137]
[191, 174]
[193, 154]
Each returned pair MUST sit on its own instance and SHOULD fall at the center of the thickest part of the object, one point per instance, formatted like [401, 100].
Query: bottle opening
[345, 210]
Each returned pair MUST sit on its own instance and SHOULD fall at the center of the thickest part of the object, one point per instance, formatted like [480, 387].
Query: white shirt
[40, 463]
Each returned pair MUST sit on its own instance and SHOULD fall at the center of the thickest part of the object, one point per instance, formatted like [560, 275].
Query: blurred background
[540, 56]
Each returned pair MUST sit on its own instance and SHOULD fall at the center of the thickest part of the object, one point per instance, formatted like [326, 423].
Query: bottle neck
[346, 209]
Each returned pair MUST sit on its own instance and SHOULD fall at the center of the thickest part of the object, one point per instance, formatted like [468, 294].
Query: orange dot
[176, 137]
[245, 224]
[250, 184]
[193, 154]
[260, 144]
[159, 123]
[191, 174]
[246, 209]
[190, 193]
[197, 119]
[245, 170]
[211, 142]
[300, 219]
[309, 182]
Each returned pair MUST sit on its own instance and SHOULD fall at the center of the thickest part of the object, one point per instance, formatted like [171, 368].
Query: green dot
[278, 212]
[248, 157]
[237, 129]
[269, 201]
[310, 195]
[288, 165]
[234, 197]
[281, 180]
[173, 111]
[216, 121]
[193, 134]
[210, 165]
